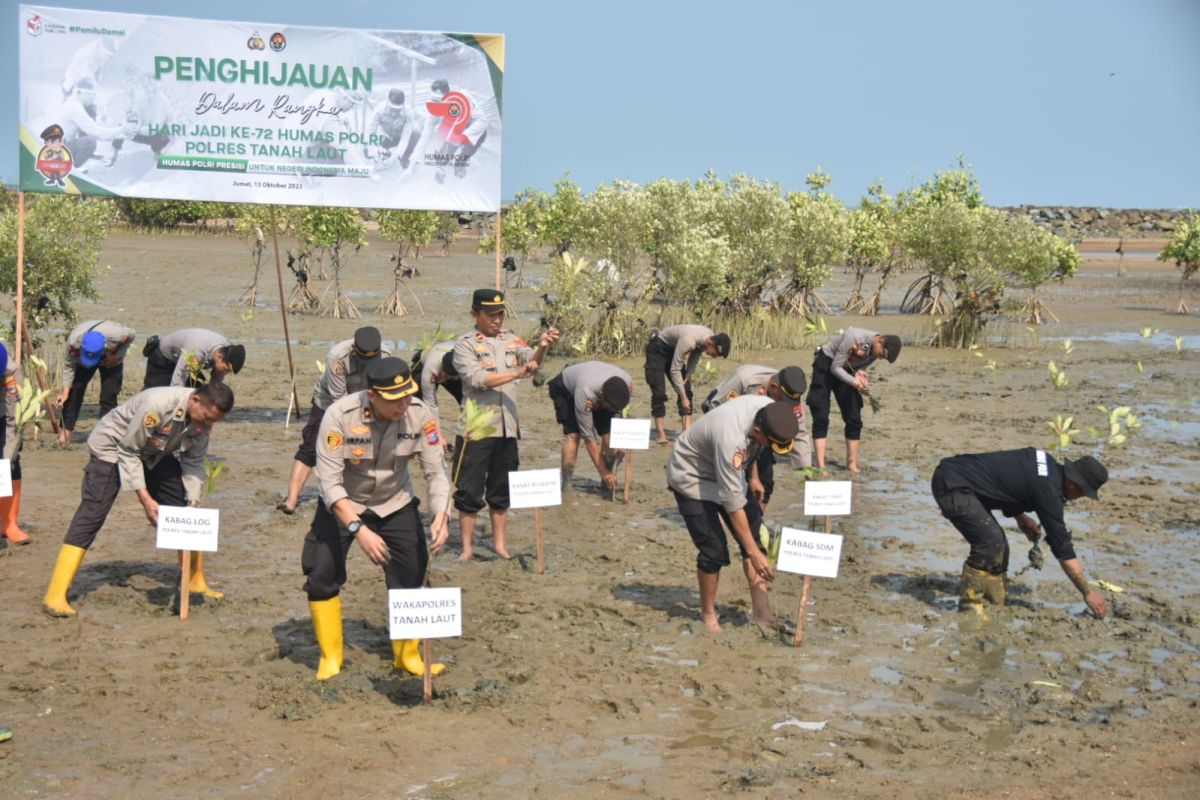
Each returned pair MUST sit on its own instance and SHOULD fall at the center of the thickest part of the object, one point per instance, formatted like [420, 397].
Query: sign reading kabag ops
[133, 105]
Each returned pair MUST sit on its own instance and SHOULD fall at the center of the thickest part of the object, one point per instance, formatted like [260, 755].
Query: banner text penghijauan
[229, 70]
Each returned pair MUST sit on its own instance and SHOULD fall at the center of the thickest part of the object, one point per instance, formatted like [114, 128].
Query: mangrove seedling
[1064, 433]
[1058, 377]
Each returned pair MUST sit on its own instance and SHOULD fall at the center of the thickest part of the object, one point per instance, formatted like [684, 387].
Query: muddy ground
[597, 679]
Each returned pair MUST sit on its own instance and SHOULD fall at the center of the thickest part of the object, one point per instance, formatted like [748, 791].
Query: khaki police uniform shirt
[475, 357]
[12, 394]
[748, 379]
[688, 342]
[201, 343]
[151, 426]
[709, 459]
[585, 382]
[430, 367]
[344, 374]
[839, 350]
[116, 336]
[365, 460]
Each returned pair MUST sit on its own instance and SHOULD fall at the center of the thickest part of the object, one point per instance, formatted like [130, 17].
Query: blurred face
[711, 348]
[1073, 491]
[760, 437]
[773, 390]
[877, 349]
[220, 365]
[488, 323]
[203, 415]
[389, 410]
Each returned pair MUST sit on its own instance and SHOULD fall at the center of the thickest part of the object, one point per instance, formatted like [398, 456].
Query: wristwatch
[354, 527]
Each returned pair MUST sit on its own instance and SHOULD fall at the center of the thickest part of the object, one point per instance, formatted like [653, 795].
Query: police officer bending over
[968, 488]
[586, 397]
[363, 448]
[706, 473]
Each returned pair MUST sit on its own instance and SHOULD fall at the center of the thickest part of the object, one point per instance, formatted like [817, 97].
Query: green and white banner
[145, 106]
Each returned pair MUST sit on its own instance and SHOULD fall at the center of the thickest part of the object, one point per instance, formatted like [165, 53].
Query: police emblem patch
[360, 430]
[338, 368]
[179, 413]
[739, 458]
[358, 452]
[798, 410]
[731, 395]
[333, 440]
[431, 432]
[150, 420]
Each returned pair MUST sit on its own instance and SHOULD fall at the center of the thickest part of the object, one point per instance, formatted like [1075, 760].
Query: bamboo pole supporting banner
[185, 580]
[499, 255]
[537, 528]
[16, 356]
[287, 337]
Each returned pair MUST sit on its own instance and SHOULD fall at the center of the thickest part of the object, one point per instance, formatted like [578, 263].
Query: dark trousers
[658, 362]
[766, 472]
[159, 369]
[849, 400]
[15, 466]
[111, 379]
[564, 411]
[989, 545]
[483, 473]
[102, 483]
[703, 519]
[328, 544]
[306, 453]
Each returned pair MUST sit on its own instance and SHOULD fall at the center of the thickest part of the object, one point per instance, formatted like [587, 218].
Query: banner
[131, 105]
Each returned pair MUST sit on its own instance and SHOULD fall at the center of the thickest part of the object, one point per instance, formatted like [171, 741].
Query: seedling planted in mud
[1121, 423]
[1148, 332]
[1178, 344]
[1064, 433]
[212, 471]
[1058, 377]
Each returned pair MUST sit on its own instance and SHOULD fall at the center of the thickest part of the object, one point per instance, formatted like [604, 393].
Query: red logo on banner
[455, 110]
[34, 26]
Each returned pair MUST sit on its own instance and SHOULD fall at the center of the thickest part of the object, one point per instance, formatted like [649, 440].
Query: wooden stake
[537, 527]
[20, 272]
[802, 615]
[287, 337]
[499, 255]
[628, 473]
[427, 690]
[185, 580]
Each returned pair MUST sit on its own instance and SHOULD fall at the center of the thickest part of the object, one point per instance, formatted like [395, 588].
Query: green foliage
[688, 252]
[752, 217]
[1184, 250]
[163, 214]
[63, 236]
[329, 227]
[561, 220]
[615, 226]
[412, 230]
[213, 470]
[31, 407]
[1058, 376]
[817, 238]
[1064, 433]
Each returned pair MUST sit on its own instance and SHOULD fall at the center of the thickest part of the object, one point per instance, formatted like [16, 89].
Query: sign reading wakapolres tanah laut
[135, 105]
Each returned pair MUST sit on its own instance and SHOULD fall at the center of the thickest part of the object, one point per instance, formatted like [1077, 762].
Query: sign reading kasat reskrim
[131, 105]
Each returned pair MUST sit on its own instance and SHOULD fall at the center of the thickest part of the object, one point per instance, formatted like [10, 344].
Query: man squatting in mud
[968, 487]
[365, 443]
[706, 473]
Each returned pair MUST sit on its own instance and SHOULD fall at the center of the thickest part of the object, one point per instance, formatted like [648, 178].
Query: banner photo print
[129, 105]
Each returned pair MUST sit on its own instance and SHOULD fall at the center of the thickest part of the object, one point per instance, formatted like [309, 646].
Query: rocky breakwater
[1077, 222]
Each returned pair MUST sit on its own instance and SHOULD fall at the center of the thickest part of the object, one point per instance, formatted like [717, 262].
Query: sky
[1071, 102]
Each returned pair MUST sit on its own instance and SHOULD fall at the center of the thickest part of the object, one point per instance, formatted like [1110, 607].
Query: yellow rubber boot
[973, 590]
[10, 510]
[55, 602]
[406, 655]
[996, 589]
[327, 625]
[197, 582]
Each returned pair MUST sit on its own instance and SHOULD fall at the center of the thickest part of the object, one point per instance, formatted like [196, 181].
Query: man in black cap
[706, 472]
[840, 368]
[366, 442]
[968, 488]
[675, 352]
[181, 358]
[787, 385]
[586, 397]
[489, 361]
[345, 373]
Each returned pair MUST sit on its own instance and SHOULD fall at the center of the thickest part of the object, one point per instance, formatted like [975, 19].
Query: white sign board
[827, 498]
[5, 478]
[424, 613]
[188, 528]
[535, 488]
[629, 434]
[808, 553]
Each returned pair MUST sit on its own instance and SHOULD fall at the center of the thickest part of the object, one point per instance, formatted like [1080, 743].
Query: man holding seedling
[365, 444]
[675, 352]
[134, 449]
[586, 397]
[490, 360]
[968, 488]
[181, 358]
[345, 373]
[97, 344]
[840, 369]
[706, 473]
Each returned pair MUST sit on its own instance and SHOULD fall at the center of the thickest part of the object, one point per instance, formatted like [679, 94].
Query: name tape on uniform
[535, 488]
[827, 498]
[809, 553]
[5, 478]
[188, 528]
[425, 613]
[629, 434]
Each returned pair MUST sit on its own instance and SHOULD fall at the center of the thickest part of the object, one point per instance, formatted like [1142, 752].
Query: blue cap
[92, 348]
[3, 359]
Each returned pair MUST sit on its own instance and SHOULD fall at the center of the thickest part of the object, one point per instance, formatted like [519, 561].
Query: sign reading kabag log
[135, 105]
[424, 613]
[185, 528]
